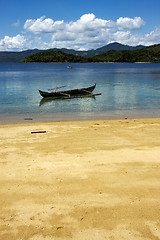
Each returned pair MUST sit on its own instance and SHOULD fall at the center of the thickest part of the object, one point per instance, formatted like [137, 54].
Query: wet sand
[80, 180]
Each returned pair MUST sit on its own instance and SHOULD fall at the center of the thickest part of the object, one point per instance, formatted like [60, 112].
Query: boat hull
[68, 93]
[50, 99]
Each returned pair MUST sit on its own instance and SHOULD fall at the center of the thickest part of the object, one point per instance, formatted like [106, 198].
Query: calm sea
[128, 90]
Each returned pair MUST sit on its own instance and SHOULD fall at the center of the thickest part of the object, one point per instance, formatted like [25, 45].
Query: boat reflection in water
[51, 99]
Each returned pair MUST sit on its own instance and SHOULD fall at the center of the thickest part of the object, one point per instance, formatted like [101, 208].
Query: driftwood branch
[38, 132]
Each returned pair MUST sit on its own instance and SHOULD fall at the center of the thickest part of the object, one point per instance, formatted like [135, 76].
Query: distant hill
[91, 53]
[114, 52]
[147, 54]
[116, 46]
[53, 56]
[153, 48]
[6, 56]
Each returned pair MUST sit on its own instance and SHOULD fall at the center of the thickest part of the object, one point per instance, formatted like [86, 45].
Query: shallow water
[128, 90]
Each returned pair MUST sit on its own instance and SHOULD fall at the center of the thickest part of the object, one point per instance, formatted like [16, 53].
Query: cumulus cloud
[87, 22]
[153, 36]
[120, 36]
[10, 43]
[42, 25]
[130, 23]
[88, 32]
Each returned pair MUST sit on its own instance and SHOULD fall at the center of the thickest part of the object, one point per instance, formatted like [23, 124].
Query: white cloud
[88, 32]
[13, 43]
[126, 37]
[42, 25]
[130, 23]
[153, 36]
[121, 36]
[87, 17]
[87, 22]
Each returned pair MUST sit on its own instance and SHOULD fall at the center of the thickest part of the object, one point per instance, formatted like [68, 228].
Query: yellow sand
[81, 180]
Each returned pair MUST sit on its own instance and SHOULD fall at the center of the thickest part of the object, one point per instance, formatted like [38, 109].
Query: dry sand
[83, 180]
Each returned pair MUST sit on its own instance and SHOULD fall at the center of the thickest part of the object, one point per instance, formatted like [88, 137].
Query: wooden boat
[70, 67]
[68, 93]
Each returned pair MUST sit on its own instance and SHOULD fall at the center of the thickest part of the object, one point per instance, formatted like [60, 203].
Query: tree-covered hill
[53, 56]
[7, 56]
[148, 54]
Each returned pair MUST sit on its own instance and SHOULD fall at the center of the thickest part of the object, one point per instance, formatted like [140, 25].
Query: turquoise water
[128, 90]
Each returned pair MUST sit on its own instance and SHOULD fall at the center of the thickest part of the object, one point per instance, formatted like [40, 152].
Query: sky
[77, 24]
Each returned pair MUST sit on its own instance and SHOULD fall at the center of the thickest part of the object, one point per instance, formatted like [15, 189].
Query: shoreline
[32, 120]
[89, 179]
[29, 119]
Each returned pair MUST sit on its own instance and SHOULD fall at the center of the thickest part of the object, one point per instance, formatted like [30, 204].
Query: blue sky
[80, 25]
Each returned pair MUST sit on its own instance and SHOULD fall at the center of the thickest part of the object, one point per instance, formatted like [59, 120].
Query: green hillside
[53, 56]
[148, 54]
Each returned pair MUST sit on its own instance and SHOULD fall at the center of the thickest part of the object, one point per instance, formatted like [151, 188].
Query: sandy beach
[88, 180]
